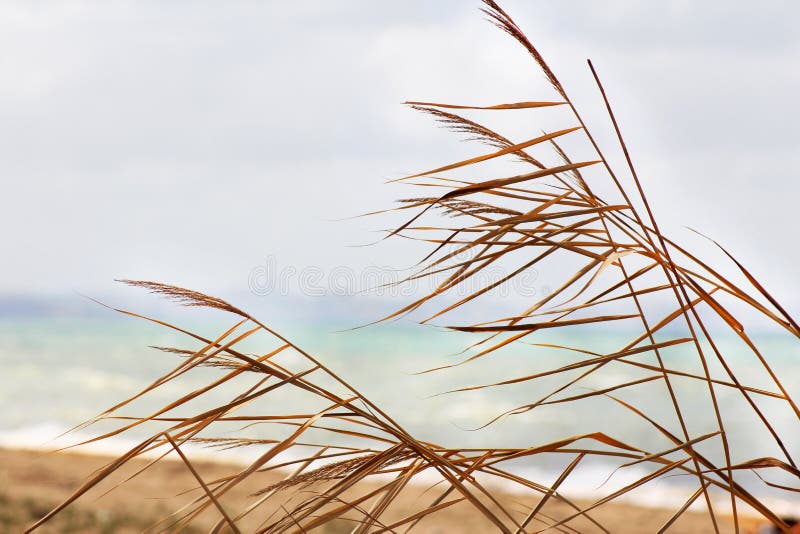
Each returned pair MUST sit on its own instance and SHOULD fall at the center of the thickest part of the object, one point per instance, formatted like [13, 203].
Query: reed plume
[619, 262]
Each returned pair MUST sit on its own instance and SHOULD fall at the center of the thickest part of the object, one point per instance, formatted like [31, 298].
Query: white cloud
[187, 141]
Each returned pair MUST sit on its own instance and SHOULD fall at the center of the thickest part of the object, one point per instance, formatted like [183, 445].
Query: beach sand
[32, 482]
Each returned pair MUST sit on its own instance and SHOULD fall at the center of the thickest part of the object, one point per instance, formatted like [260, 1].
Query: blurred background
[226, 148]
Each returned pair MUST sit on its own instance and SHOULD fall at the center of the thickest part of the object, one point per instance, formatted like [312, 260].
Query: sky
[195, 143]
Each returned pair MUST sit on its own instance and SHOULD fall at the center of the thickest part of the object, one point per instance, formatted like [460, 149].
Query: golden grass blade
[605, 390]
[576, 365]
[561, 478]
[516, 105]
[550, 216]
[419, 515]
[630, 487]
[683, 508]
[477, 132]
[494, 184]
[509, 150]
[200, 481]
[532, 327]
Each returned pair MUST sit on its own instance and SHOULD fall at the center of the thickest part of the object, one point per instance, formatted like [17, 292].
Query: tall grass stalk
[621, 261]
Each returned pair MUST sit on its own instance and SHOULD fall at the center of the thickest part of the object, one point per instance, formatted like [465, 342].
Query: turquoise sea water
[60, 371]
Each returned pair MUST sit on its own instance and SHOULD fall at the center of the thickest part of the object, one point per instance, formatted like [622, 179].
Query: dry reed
[621, 260]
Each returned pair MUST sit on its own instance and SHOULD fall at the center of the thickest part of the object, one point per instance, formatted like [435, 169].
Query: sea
[62, 365]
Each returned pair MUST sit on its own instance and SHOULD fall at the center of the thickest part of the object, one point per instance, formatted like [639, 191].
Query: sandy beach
[32, 482]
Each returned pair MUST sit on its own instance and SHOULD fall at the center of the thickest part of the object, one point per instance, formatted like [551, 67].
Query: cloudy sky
[189, 141]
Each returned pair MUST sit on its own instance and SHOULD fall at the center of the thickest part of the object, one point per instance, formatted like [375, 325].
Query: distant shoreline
[32, 481]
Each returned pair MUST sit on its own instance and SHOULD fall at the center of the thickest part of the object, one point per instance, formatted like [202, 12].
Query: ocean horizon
[63, 367]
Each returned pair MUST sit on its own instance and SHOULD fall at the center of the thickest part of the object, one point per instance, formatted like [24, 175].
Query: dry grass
[41, 479]
[330, 439]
